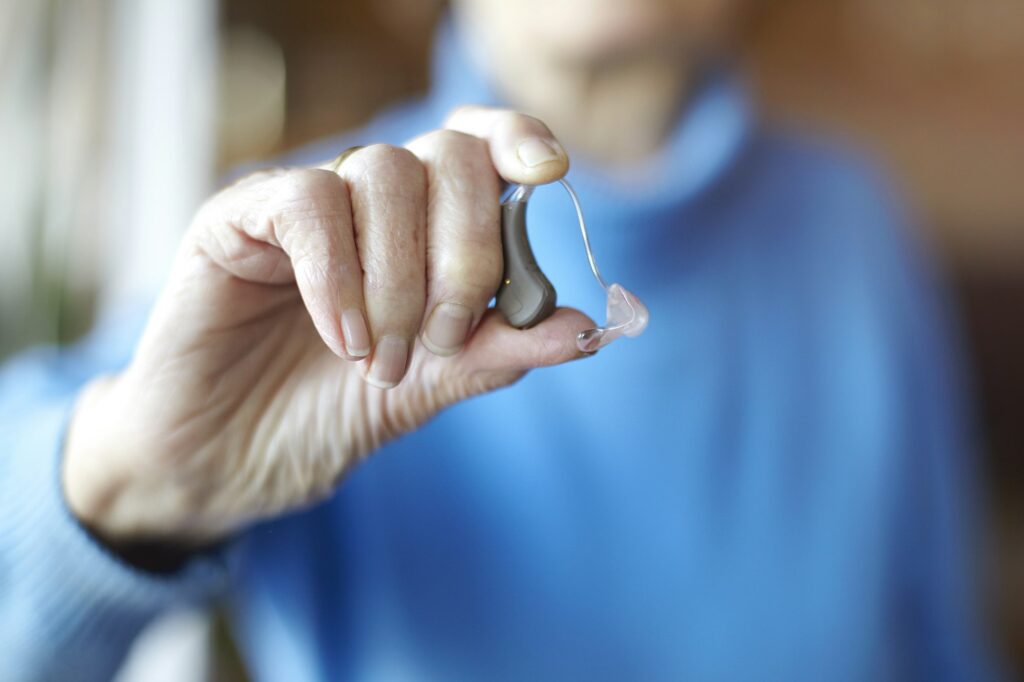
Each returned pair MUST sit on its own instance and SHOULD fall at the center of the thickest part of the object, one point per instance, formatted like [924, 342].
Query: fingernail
[389, 360]
[535, 151]
[447, 328]
[357, 336]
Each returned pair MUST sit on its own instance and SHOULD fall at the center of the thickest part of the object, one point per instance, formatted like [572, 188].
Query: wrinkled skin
[253, 391]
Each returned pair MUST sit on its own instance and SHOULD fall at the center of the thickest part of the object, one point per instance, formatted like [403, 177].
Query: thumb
[496, 346]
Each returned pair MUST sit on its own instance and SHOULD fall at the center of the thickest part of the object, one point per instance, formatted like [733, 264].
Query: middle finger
[388, 189]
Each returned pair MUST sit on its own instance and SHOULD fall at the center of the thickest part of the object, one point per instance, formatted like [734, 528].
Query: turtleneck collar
[708, 137]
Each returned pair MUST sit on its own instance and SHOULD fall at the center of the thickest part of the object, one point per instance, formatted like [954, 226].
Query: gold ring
[340, 159]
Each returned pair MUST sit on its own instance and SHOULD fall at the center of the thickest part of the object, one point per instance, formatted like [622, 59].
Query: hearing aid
[526, 296]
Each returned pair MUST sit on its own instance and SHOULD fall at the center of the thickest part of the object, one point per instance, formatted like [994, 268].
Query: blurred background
[117, 117]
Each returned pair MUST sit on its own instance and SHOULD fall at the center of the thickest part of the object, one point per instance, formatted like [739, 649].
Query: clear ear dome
[626, 316]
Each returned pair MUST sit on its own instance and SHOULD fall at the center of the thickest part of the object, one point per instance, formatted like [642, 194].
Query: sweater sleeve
[69, 609]
[939, 535]
[937, 526]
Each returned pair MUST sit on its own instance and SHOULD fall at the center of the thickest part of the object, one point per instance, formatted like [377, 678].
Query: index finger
[522, 148]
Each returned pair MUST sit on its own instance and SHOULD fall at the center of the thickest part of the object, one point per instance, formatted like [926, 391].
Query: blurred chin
[605, 30]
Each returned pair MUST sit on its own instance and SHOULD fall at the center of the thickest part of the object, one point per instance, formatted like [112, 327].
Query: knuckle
[387, 159]
[460, 158]
[303, 200]
[307, 194]
[449, 142]
[304, 184]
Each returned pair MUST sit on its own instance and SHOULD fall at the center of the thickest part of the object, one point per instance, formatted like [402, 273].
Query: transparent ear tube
[527, 297]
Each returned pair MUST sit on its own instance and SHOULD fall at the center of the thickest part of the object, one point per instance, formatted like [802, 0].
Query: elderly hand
[310, 316]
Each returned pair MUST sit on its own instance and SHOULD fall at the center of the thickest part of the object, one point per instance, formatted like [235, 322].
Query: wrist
[88, 478]
[108, 483]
